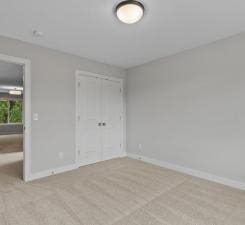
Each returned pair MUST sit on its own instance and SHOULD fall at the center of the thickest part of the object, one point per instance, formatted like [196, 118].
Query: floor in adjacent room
[119, 192]
[11, 159]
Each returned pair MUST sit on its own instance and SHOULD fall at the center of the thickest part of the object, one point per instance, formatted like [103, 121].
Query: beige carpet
[119, 192]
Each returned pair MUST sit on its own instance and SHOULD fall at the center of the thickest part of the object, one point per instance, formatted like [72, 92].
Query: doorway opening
[14, 119]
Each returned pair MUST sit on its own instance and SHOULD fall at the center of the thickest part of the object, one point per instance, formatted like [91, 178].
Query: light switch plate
[35, 116]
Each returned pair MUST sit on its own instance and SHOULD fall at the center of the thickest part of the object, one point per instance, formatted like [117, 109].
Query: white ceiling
[10, 74]
[90, 29]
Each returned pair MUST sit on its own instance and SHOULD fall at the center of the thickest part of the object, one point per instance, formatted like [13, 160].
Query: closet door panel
[89, 131]
[111, 117]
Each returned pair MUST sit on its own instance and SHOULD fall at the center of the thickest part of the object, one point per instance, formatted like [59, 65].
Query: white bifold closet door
[99, 125]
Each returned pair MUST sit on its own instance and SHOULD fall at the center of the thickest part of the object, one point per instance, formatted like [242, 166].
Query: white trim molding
[86, 73]
[26, 63]
[47, 173]
[192, 172]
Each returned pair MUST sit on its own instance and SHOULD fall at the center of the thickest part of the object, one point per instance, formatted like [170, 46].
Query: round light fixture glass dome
[130, 11]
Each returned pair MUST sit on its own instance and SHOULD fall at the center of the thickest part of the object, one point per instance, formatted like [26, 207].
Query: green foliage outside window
[3, 111]
[10, 111]
[15, 111]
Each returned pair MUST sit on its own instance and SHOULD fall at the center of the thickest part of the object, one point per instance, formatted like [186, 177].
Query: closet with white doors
[99, 112]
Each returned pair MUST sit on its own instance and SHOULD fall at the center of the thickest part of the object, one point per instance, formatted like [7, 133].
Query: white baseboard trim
[51, 172]
[47, 173]
[124, 154]
[192, 172]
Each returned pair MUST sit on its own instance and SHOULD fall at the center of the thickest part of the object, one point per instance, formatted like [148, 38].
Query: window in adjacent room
[10, 111]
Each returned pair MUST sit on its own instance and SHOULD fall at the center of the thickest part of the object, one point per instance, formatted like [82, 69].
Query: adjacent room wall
[189, 109]
[53, 98]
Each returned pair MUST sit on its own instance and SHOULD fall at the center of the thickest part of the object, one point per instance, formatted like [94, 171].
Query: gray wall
[53, 97]
[11, 74]
[189, 109]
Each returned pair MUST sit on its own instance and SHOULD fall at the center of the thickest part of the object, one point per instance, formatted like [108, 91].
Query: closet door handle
[104, 124]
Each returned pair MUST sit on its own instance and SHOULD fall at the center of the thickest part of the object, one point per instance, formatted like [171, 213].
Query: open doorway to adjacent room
[11, 119]
[14, 141]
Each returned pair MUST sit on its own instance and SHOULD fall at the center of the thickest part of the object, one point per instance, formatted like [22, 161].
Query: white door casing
[26, 63]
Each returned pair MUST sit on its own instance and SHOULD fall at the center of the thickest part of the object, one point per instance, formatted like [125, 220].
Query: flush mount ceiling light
[15, 92]
[130, 11]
